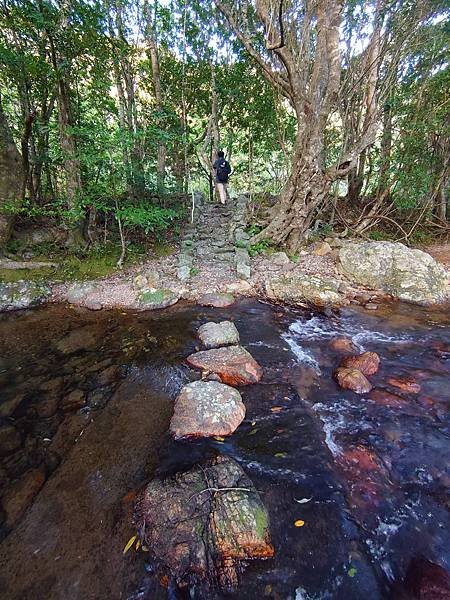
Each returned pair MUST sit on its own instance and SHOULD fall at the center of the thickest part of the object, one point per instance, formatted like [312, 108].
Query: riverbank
[213, 256]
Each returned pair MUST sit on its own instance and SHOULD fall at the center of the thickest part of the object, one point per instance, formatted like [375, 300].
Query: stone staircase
[216, 237]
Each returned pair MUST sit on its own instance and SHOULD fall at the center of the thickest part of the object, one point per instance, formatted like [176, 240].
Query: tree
[297, 46]
[11, 178]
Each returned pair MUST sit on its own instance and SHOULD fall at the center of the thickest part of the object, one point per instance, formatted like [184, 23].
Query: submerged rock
[10, 439]
[216, 300]
[154, 299]
[206, 409]
[22, 294]
[300, 288]
[410, 275]
[233, 364]
[78, 339]
[367, 362]
[407, 384]
[213, 522]
[341, 344]
[21, 494]
[352, 379]
[214, 335]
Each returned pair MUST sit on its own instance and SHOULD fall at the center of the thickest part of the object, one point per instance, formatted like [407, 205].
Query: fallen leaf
[280, 454]
[303, 500]
[351, 572]
[253, 431]
[299, 523]
[129, 543]
[138, 543]
[218, 438]
[276, 409]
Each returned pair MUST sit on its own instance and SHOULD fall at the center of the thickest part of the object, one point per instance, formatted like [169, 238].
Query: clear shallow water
[369, 476]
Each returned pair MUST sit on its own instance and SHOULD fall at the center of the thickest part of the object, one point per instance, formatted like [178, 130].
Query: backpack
[222, 171]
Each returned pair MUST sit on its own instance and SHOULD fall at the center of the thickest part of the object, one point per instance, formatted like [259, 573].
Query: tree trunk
[154, 59]
[72, 170]
[304, 191]
[11, 178]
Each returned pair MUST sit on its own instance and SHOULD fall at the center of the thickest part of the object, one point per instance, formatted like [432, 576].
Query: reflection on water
[86, 401]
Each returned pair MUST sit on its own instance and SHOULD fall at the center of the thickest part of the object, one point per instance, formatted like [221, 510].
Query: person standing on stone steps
[222, 168]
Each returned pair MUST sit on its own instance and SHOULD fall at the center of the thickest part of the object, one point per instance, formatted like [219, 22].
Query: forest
[112, 112]
[224, 299]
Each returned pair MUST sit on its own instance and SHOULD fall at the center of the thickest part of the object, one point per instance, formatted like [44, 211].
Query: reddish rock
[233, 364]
[352, 379]
[407, 385]
[342, 345]
[367, 362]
[21, 494]
[206, 409]
[216, 300]
[427, 581]
[385, 398]
[366, 478]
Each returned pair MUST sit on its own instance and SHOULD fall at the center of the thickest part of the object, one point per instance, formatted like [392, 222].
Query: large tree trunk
[306, 188]
[11, 178]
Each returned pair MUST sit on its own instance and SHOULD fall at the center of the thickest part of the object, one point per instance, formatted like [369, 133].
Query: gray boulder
[214, 335]
[79, 290]
[301, 287]
[206, 409]
[22, 294]
[154, 299]
[410, 275]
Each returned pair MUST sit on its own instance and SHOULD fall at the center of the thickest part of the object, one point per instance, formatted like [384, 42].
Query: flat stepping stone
[216, 300]
[206, 409]
[213, 335]
[233, 364]
[154, 299]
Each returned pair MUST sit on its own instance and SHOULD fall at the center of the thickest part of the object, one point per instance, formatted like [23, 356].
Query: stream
[86, 400]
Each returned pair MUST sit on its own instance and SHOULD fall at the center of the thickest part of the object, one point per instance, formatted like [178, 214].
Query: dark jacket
[222, 169]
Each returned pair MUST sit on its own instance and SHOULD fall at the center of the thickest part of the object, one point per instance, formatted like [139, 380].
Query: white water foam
[302, 355]
[333, 422]
[318, 328]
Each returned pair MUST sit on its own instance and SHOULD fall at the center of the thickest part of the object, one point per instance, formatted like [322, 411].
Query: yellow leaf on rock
[299, 523]
[276, 409]
[138, 543]
[129, 544]
[218, 438]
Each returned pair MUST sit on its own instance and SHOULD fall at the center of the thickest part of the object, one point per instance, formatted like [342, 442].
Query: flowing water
[85, 406]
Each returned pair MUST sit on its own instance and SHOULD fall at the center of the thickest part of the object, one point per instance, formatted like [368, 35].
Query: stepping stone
[201, 535]
[206, 409]
[233, 364]
[214, 335]
[216, 300]
[352, 379]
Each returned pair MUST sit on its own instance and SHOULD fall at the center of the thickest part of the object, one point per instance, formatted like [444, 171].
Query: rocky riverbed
[355, 485]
